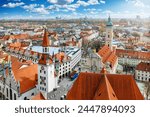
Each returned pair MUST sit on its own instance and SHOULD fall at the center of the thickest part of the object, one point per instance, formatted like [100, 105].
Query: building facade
[142, 72]
[27, 74]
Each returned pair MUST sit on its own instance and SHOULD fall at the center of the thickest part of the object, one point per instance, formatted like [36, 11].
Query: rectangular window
[45, 49]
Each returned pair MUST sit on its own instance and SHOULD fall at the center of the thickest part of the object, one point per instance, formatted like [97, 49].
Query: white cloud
[60, 2]
[36, 8]
[82, 3]
[93, 2]
[92, 9]
[30, 7]
[102, 1]
[137, 3]
[60, 5]
[13, 5]
[66, 7]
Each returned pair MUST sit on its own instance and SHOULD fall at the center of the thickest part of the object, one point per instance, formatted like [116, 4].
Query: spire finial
[109, 22]
[103, 71]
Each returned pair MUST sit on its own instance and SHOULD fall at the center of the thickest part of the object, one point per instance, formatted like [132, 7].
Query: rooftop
[143, 67]
[102, 86]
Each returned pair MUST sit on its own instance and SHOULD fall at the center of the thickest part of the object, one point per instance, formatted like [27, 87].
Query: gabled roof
[107, 55]
[27, 76]
[143, 67]
[105, 90]
[45, 58]
[88, 86]
[133, 54]
[46, 42]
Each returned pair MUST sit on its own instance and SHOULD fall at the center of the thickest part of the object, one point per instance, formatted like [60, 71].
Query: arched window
[10, 94]
[32, 94]
[14, 96]
[7, 92]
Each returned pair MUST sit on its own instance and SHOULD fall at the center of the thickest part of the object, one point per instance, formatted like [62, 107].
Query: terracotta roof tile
[105, 90]
[45, 58]
[27, 75]
[39, 96]
[46, 42]
[107, 55]
[122, 86]
[133, 54]
[143, 67]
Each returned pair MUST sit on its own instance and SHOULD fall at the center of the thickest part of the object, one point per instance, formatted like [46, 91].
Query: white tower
[46, 69]
[109, 33]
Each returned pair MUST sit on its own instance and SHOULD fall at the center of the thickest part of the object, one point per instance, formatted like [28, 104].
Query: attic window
[99, 94]
[113, 94]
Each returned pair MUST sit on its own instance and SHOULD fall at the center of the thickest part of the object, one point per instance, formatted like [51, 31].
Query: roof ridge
[105, 88]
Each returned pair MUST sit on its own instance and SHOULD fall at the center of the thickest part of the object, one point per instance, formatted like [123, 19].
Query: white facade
[109, 36]
[75, 55]
[46, 79]
[142, 75]
[130, 61]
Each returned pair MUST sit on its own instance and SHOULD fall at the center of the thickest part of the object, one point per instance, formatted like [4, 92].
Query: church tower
[109, 33]
[47, 81]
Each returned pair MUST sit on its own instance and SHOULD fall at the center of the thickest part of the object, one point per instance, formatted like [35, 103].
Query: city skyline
[68, 9]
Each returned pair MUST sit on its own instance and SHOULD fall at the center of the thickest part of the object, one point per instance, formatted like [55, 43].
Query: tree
[135, 34]
[147, 90]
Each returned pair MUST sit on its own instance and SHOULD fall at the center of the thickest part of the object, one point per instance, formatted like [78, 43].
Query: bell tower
[47, 80]
[109, 33]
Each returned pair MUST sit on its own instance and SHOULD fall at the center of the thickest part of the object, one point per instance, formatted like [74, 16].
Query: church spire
[109, 22]
[46, 42]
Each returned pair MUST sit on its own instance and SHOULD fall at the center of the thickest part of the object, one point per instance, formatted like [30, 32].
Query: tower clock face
[42, 67]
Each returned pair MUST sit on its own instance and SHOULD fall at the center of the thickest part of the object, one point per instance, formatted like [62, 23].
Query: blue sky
[43, 9]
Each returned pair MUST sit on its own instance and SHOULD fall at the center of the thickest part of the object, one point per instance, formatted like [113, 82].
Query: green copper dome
[109, 22]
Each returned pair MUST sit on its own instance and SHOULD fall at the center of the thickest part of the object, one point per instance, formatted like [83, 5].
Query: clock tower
[47, 80]
[109, 33]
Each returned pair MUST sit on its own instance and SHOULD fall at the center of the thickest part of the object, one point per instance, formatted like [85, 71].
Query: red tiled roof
[27, 76]
[105, 90]
[147, 34]
[45, 58]
[107, 55]
[143, 67]
[17, 44]
[21, 36]
[46, 42]
[39, 96]
[133, 54]
[121, 87]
